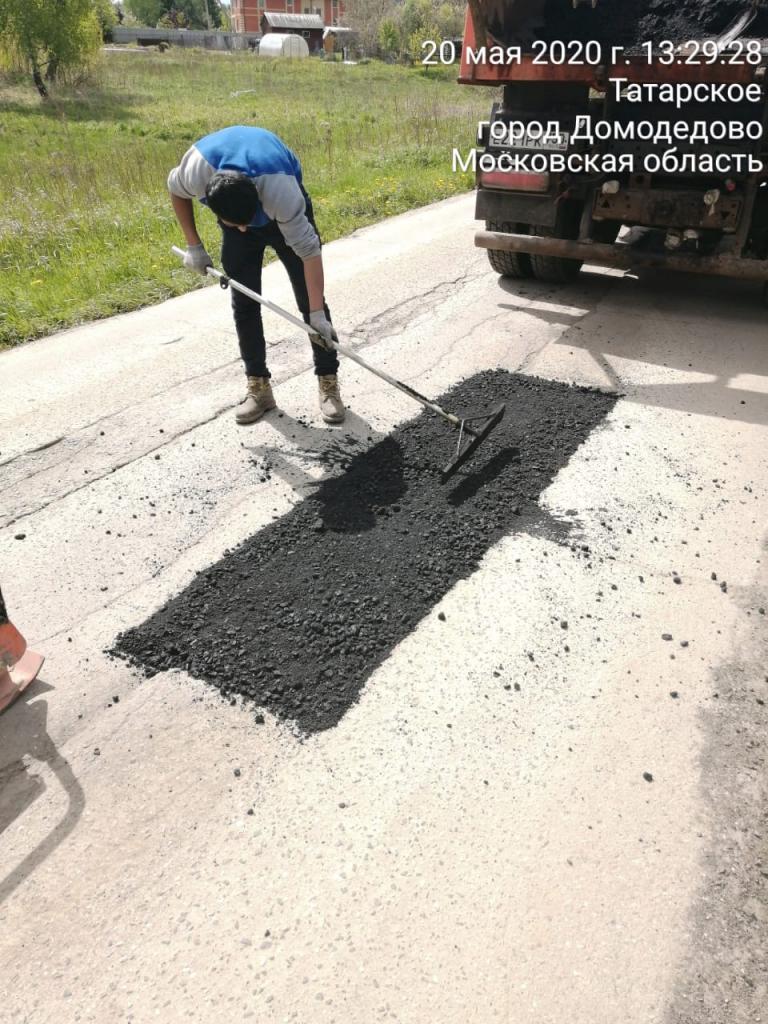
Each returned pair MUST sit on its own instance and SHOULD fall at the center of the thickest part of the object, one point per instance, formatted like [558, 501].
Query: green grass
[86, 225]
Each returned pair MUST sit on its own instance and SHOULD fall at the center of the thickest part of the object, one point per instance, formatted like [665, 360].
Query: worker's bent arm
[185, 215]
[315, 279]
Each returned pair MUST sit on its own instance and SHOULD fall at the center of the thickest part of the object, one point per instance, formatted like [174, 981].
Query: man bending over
[252, 182]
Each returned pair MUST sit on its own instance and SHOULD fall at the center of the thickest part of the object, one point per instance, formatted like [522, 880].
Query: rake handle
[345, 351]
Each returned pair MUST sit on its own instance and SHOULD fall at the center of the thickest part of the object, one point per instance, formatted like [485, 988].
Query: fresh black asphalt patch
[299, 615]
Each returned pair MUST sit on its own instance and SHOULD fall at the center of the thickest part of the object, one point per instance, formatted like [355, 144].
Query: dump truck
[666, 137]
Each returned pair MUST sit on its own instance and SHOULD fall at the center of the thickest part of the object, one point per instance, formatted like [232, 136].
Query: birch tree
[48, 37]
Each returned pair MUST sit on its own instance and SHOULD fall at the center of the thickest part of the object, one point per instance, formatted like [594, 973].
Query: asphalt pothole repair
[298, 616]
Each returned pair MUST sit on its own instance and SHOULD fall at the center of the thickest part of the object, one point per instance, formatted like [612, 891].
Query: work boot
[331, 405]
[258, 401]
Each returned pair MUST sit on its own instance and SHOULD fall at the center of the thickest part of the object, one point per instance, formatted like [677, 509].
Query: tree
[48, 37]
[176, 13]
[389, 37]
[416, 16]
[146, 12]
[399, 27]
[365, 16]
[202, 13]
[107, 17]
[449, 18]
[174, 18]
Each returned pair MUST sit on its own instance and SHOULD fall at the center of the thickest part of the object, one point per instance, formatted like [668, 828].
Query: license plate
[546, 143]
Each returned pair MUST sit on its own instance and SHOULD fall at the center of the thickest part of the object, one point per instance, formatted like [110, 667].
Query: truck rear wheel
[509, 264]
[557, 269]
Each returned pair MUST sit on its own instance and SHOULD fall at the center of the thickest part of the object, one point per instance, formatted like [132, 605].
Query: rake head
[473, 430]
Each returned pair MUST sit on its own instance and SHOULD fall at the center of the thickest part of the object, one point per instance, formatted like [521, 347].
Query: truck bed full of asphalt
[299, 616]
[622, 22]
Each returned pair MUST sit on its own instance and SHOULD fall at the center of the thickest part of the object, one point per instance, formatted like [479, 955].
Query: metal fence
[186, 37]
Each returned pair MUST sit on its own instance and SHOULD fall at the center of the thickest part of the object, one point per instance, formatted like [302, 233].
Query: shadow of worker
[23, 739]
[365, 480]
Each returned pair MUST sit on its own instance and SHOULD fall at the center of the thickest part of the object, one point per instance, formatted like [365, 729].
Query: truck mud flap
[515, 207]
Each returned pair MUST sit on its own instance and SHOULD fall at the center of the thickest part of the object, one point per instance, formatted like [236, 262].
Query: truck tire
[556, 269]
[509, 264]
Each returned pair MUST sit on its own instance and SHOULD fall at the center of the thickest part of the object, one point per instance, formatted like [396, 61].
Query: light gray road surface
[515, 867]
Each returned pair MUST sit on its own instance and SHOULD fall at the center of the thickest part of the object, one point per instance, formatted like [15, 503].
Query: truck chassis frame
[528, 226]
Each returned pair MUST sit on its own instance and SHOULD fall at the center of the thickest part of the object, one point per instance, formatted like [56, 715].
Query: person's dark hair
[233, 197]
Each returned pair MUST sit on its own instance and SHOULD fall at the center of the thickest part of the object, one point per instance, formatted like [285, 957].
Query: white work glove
[323, 328]
[196, 258]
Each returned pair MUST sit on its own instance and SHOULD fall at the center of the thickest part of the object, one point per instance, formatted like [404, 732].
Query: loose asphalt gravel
[620, 22]
[297, 617]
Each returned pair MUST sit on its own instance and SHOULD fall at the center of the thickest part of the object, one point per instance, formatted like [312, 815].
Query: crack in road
[388, 320]
[92, 424]
[400, 314]
[33, 451]
[101, 476]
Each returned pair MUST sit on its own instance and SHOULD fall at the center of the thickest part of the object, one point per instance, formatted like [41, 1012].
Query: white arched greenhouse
[279, 44]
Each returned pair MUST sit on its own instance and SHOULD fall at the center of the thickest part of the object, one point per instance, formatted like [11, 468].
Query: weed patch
[86, 226]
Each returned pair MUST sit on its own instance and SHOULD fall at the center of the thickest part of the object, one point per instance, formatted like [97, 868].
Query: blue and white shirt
[275, 170]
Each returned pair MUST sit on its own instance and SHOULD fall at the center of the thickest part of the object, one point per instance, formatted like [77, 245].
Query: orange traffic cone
[18, 665]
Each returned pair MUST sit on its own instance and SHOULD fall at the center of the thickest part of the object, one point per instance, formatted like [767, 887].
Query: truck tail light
[514, 181]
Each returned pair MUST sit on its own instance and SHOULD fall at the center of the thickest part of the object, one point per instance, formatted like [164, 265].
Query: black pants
[242, 256]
